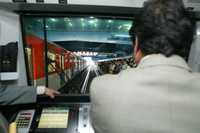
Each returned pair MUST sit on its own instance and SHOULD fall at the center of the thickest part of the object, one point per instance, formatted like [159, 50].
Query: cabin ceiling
[191, 4]
[125, 3]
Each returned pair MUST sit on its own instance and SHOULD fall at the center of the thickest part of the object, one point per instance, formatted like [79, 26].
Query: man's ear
[135, 47]
[137, 52]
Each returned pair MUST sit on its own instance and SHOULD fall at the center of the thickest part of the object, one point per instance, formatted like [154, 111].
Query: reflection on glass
[79, 49]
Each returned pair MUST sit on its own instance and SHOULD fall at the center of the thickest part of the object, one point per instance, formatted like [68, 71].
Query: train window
[66, 53]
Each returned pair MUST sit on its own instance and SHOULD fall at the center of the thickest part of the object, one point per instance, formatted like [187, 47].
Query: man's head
[163, 27]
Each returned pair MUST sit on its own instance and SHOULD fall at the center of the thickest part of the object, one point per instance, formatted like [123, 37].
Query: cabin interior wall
[10, 31]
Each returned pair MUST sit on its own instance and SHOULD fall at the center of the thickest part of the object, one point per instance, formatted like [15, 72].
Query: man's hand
[51, 93]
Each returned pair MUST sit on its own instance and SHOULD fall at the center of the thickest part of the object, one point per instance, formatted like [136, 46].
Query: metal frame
[66, 8]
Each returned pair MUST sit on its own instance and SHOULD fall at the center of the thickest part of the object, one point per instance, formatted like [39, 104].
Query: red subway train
[62, 64]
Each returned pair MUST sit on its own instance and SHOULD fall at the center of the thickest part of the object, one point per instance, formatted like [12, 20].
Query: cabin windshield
[72, 45]
[100, 38]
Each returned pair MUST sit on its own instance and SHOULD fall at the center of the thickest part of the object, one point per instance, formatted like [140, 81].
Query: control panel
[24, 120]
[84, 123]
[62, 118]
[56, 116]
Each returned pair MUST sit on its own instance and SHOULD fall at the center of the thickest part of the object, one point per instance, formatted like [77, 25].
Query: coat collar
[159, 59]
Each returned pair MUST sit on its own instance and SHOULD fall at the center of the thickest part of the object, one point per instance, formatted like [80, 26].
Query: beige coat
[161, 95]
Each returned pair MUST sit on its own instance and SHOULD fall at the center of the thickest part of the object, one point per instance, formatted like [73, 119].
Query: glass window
[78, 48]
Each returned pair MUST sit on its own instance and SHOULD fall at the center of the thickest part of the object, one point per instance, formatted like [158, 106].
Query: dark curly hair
[163, 26]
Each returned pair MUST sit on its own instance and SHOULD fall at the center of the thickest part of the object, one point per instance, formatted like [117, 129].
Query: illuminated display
[54, 117]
